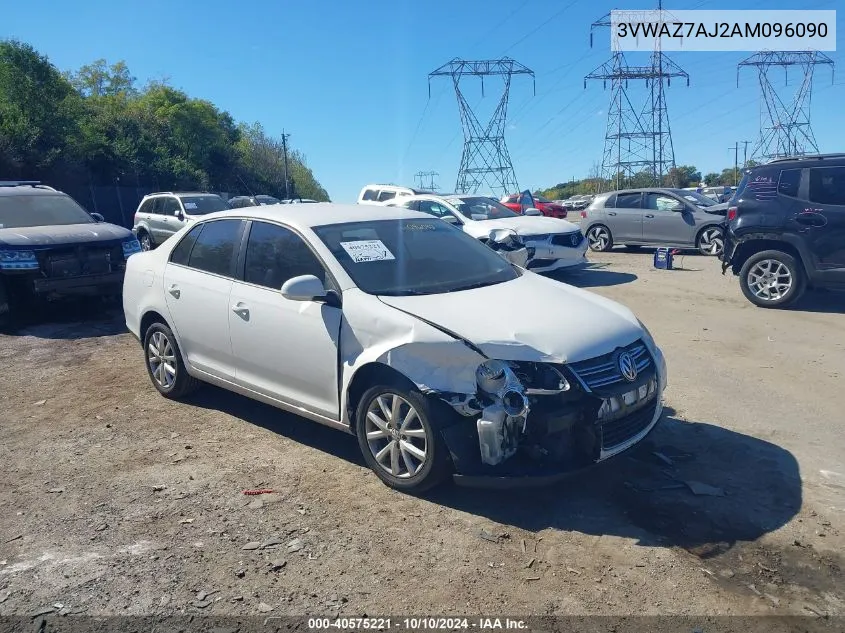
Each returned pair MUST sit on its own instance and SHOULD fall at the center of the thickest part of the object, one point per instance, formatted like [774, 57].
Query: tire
[772, 279]
[160, 344]
[393, 454]
[146, 241]
[600, 238]
[710, 241]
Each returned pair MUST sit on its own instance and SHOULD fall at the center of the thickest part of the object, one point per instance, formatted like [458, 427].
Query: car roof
[29, 190]
[182, 193]
[308, 216]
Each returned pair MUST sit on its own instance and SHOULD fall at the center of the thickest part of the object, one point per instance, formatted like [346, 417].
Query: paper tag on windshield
[190, 205]
[367, 251]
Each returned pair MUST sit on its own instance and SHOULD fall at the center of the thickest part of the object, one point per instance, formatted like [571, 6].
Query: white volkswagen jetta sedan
[553, 243]
[439, 355]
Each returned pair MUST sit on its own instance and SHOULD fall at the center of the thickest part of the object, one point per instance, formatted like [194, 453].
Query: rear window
[202, 204]
[789, 181]
[369, 194]
[386, 195]
[827, 185]
[628, 200]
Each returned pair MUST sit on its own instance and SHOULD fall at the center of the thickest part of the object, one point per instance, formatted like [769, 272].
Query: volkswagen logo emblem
[575, 239]
[627, 367]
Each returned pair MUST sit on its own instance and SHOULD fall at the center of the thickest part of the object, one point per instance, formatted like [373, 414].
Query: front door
[824, 218]
[284, 349]
[667, 220]
[626, 219]
[197, 284]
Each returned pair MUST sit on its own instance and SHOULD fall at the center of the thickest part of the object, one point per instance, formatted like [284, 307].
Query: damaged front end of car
[545, 420]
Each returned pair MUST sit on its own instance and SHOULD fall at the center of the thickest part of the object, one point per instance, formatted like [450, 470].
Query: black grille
[617, 432]
[540, 237]
[80, 261]
[568, 239]
[603, 371]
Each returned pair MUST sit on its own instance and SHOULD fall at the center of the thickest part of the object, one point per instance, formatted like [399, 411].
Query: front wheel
[145, 240]
[398, 439]
[600, 238]
[710, 241]
[772, 279]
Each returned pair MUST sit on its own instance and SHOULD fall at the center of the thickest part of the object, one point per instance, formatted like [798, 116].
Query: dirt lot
[117, 501]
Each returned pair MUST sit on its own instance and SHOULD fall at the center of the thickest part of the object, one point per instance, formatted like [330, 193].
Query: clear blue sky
[348, 80]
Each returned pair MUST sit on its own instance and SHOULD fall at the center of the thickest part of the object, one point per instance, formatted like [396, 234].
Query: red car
[547, 207]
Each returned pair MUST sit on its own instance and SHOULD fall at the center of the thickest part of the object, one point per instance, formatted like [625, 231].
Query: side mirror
[532, 211]
[503, 236]
[179, 214]
[97, 217]
[451, 219]
[678, 207]
[303, 288]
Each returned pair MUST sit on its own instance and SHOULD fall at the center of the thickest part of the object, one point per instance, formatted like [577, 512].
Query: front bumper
[549, 256]
[566, 435]
[87, 284]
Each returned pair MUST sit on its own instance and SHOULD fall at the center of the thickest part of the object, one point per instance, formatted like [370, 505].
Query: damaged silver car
[441, 356]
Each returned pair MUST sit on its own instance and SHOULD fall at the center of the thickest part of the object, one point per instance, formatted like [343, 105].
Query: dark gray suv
[653, 217]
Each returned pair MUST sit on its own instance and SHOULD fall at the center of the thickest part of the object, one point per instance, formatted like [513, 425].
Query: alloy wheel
[146, 242]
[599, 237]
[770, 279]
[396, 436]
[162, 360]
[711, 242]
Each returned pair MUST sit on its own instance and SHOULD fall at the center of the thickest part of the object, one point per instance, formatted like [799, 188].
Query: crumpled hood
[36, 236]
[523, 225]
[531, 318]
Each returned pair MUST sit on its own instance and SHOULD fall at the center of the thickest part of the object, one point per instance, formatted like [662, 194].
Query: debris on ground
[159, 487]
[295, 545]
[263, 607]
[278, 564]
[258, 491]
[252, 545]
[488, 536]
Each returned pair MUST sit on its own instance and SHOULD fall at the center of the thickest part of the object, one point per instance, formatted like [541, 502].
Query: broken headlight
[540, 378]
[497, 381]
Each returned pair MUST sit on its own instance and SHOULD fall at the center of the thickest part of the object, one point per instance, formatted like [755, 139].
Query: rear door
[824, 218]
[667, 220]
[625, 221]
[197, 283]
[157, 225]
[170, 222]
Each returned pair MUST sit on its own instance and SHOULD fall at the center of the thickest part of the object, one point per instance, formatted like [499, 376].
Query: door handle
[241, 310]
[611, 213]
[174, 290]
[649, 215]
[811, 219]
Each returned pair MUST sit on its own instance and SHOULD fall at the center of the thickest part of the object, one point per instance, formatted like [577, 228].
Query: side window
[275, 254]
[827, 185]
[146, 206]
[610, 203]
[413, 205]
[370, 194]
[789, 181]
[157, 202]
[215, 247]
[659, 202]
[169, 206]
[386, 195]
[628, 201]
[432, 208]
[182, 253]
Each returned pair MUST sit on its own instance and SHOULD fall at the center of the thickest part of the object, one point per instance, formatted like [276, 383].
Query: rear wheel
[600, 238]
[164, 363]
[399, 440]
[772, 279]
[145, 240]
[710, 241]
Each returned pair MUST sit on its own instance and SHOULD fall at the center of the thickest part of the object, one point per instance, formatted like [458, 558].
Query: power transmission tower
[785, 122]
[485, 159]
[637, 140]
[430, 184]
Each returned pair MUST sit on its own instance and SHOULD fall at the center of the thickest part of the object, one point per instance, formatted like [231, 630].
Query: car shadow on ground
[693, 485]
[705, 489]
[72, 320]
[825, 301]
[592, 276]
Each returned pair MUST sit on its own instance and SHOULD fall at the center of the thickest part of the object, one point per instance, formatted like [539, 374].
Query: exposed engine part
[504, 419]
[510, 246]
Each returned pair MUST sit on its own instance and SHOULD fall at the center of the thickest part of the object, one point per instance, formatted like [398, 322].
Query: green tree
[99, 79]
[712, 179]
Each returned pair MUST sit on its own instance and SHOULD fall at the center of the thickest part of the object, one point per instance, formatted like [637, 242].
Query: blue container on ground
[663, 258]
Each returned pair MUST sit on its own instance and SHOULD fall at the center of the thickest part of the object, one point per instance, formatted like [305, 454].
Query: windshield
[542, 199]
[697, 198]
[202, 204]
[40, 210]
[413, 257]
[479, 208]
[267, 200]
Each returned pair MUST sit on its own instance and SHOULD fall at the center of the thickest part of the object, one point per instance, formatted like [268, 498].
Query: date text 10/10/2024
[415, 624]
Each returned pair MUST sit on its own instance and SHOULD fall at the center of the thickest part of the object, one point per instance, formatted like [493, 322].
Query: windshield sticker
[190, 205]
[367, 251]
[412, 226]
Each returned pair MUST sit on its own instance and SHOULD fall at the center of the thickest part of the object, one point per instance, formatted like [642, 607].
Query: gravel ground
[117, 501]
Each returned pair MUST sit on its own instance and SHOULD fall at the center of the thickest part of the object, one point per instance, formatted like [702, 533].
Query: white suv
[382, 194]
[160, 215]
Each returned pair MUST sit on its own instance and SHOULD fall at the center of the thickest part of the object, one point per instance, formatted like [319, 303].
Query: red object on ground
[260, 491]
